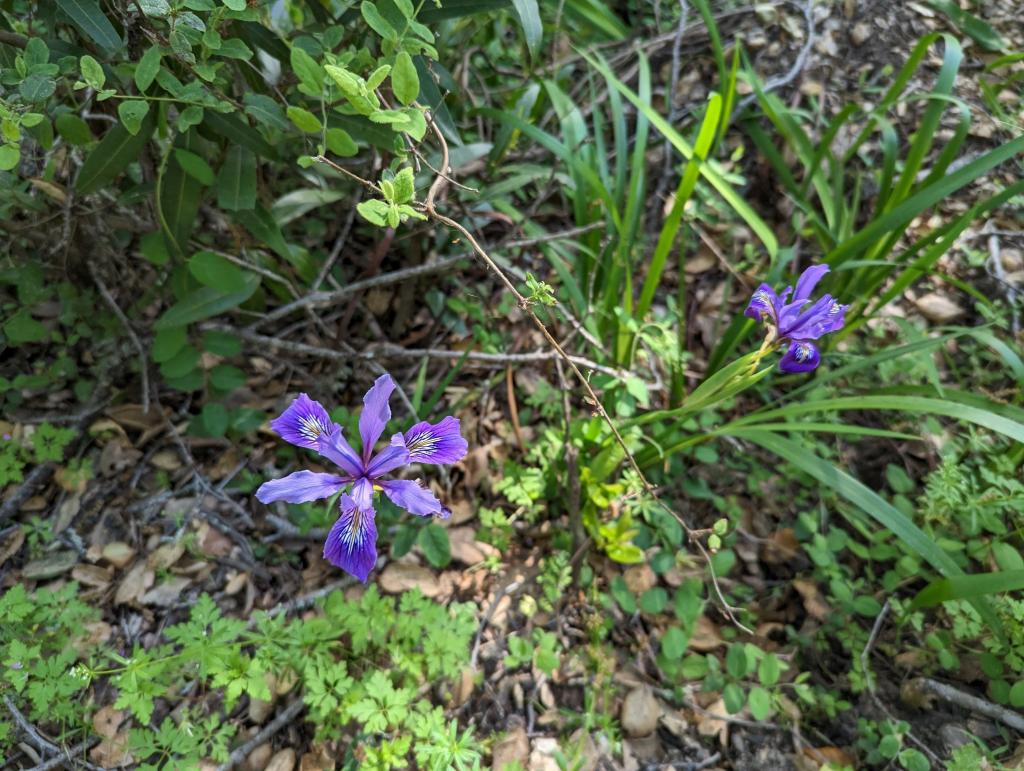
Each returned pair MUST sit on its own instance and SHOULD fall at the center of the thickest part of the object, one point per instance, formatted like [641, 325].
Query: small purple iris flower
[795, 324]
[352, 543]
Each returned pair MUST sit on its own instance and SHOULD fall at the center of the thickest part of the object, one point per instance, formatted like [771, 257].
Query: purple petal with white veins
[299, 487]
[388, 459]
[339, 452]
[304, 423]
[362, 493]
[414, 498]
[352, 543]
[376, 414]
[763, 305]
[807, 281]
[824, 316]
[800, 357]
[440, 443]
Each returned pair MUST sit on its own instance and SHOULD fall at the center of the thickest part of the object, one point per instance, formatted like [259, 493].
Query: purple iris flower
[796, 324]
[352, 543]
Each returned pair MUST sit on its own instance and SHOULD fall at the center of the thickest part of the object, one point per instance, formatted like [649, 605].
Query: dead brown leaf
[400, 577]
[134, 584]
[710, 722]
[815, 606]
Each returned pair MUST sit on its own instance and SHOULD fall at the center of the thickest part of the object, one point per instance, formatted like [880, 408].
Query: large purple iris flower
[795, 322]
[352, 543]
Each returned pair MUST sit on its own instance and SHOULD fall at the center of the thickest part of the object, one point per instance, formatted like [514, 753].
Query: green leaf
[221, 343]
[433, 539]
[340, 142]
[304, 120]
[226, 377]
[9, 157]
[194, 166]
[736, 660]
[21, 328]
[180, 196]
[237, 131]
[979, 30]
[733, 697]
[674, 642]
[214, 418]
[405, 82]
[760, 703]
[109, 158]
[154, 248]
[181, 363]
[965, 587]
[309, 72]
[529, 20]
[147, 68]
[653, 600]
[87, 16]
[236, 183]
[204, 303]
[167, 343]
[37, 88]
[377, 22]
[92, 72]
[769, 669]
[132, 112]
[73, 129]
[215, 271]
[404, 186]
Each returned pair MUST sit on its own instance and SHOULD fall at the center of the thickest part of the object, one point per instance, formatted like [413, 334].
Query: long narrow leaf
[707, 170]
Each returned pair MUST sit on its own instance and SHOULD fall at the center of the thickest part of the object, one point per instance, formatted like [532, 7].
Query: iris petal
[763, 305]
[438, 443]
[304, 422]
[388, 459]
[352, 543]
[414, 498]
[376, 414]
[801, 356]
[824, 316]
[339, 452]
[807, 281]
[299, 487]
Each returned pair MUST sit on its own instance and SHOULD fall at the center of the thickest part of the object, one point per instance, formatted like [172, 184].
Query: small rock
[766, 13]
[513, 748]
[118, 554]
[938, 308]
[50, 566]
[640, 712]
[282, 761]
[542, 758]
[465, 548]
[859, 34]
[259, 710]
[259, 757]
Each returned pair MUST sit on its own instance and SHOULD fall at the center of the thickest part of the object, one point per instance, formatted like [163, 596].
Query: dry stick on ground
[955, 696]
[321, 299]
[139, 349]
[390, 351]
[693, 535]
[271, 728]
[67, 757]
[39, 742]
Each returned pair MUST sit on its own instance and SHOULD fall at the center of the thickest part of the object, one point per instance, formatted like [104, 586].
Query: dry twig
[242, 752]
